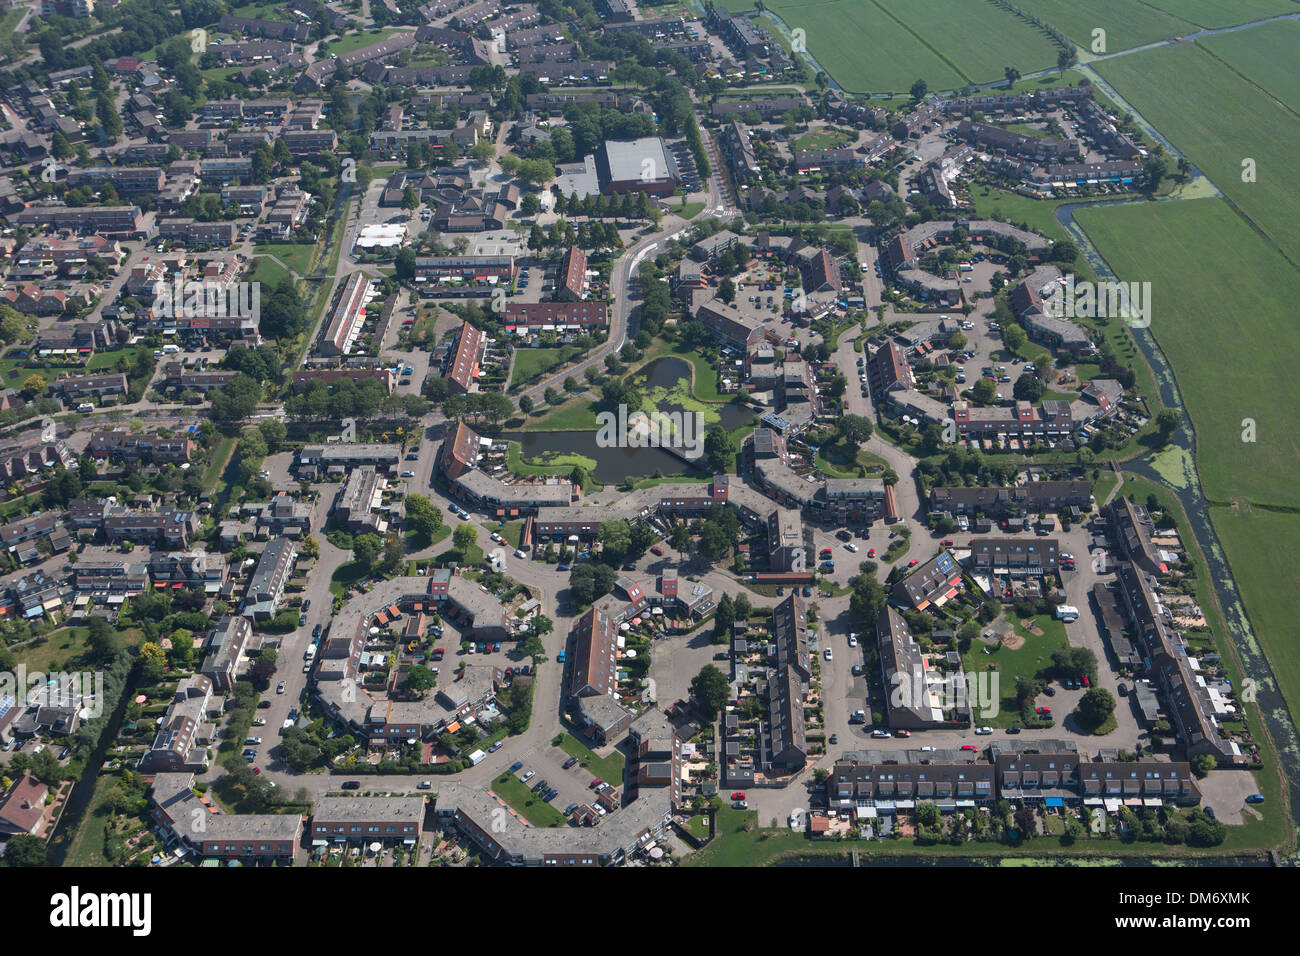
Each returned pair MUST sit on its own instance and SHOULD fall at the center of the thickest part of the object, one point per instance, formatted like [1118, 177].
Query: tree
[1028, 388]
[463, 538]
[1095, 707]
[422, 516]
[26, 850]
[919, 89]
[405, 264]
[615, 536]
[1014, 337]
[985, 391]
[1203, 764]
[727, 291]
[709, 690]
[410, 200]
[723, 618]
[1167, 422]
[526, 405]
[33, 387]
[366, 549]
[679, 539]
[1012, 74]
[419, 679]
[854, 429]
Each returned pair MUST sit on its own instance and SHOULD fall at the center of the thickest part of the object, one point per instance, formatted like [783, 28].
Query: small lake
[666, 382]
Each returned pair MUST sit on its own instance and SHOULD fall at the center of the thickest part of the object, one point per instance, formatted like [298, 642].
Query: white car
[928, 750]
[853, 640]
[408, 474]
[529, 776]
[850, 546]
[879, 734]
[827, 654]
[520, 553]
[983, 731]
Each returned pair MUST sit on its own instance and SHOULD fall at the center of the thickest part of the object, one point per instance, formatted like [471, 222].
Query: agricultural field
[979, 39]
[1266, 579]
[1217, 289]
[836, 33]
[1217, 119]
[1266, 57]
[1126, 22]
[1212, 14]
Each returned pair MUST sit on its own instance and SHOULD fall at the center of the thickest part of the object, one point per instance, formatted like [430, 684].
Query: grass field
[1265, 56]
[529, 805]
[1024, 661]
[823, 139]
[835, 34]
[355, 41]
[1217, 120]
[608, 768]
[1223, 13]
[533, 363]
[1127, 24]
[296, 255]
[979, 38]
[269, 272]
[56, 651]
[1218, 289]
[11, 42]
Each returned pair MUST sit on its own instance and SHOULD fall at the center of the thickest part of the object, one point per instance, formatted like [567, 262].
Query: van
[170, 349]
[85, 407]
[311, 652]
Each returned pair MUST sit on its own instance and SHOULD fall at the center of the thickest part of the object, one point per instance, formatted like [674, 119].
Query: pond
[665, 383]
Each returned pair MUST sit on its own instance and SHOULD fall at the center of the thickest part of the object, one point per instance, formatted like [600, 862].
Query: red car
[969, 747]
[738, 795]
[871, 552]
[257, 770]
[902, 733]
[1086, 682]
[914, 562]
[1045, 710]
[657, 551]
[946, 542]
[595, 783]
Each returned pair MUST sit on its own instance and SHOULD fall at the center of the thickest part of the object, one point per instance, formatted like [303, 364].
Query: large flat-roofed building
[999, 501]
[342, 457]
[525, 317]
[429, 268]
[346, 318]
[266, 588]
[638, 165]
[171, 527]
[500, 498]
[368, 819]
[357, 507]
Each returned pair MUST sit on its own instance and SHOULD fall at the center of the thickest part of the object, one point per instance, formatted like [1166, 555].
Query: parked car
[827, 654]
[1255, 798]
[969, 747]
[529, 776]
[901, 733]
[279, 688]
[516, 765]
[570, 762]
[657, 551]
[351, 784]
[739, 805]
[983, 731]
[1045, 711]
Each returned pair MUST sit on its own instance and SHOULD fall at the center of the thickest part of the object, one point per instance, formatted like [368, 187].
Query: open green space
[1212, 14]
[1127, 23]
[834, 33]
[531, 364]
[54, 651]
[296, 255]
[12, 43]
[355, 41]
[87, 847]
[980, 39]
[1264, 55]
[269, 272]
[608, 768]
[348, 574]
[1025, 661]
[1218, 289]
[824, 139]
[688, 210]
[527, 804]
[1219, 120]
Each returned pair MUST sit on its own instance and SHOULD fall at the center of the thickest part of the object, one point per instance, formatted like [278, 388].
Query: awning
[1153, 802]
[865, 812]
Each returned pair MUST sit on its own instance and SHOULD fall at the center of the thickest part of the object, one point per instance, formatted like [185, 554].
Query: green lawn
[354, 41]
[609, 768]
[689, 210]
[109, 360]
[698, 827]
[553, 464]
[296, 255]
[527, 804]
[1025, 661]
[12, 43]
[87, 847]
[532, 364]
[1217, 119]
[220, 458]
[578, 413]
[823, 139]
[348, 574]
[269, 272]
[56, 651]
